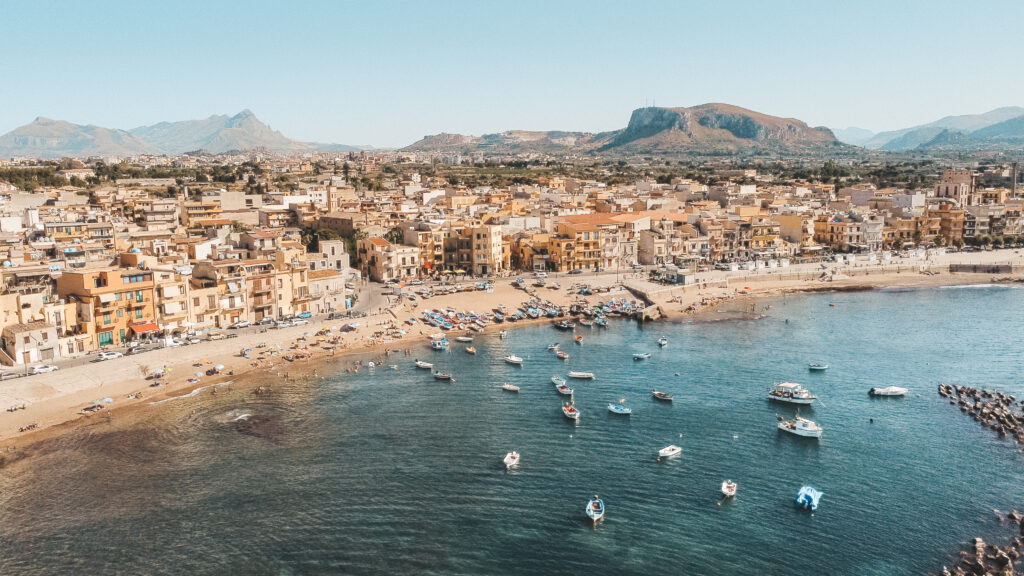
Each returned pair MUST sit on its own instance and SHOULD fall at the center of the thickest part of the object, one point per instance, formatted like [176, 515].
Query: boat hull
[800, 401]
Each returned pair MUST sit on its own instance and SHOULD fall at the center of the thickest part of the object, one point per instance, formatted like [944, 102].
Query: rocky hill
[46, 138]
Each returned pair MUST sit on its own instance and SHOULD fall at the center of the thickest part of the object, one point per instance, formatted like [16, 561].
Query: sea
[388, 471]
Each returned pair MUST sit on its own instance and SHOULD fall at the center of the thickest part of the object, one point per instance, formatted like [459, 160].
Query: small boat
[439, 344]
[801, 427]
[642, 356]
[511, 459]
[513, 359]
[564, 390]
[600, 322]
[470, 350]
[728, 488]
[463, 338]
[791, 393]
[581, 375]
[662, 341]
[424, 365]
[565, 325]
[570, 411]
[579, 339]
[595, 509]
[553, 346]
[663, 396]
[587, 323]
[502, 334]
[817, 366]
[562, 355]
[669, 451]
[808, 497]
[557, 380]
[888, 391]
[619, 409]
[510, 387]
[443, 376]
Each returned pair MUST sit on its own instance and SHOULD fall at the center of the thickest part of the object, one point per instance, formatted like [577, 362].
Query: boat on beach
[581, 375]
[511, 459]
[641, 356]
[663, 396]
[801, 427]
[595, 509]
[791, 393]
[510, 387]
[570, 411]
[513, 359]
[669, 451]
[817, 366]
[424, 365]
[888, 391]
[728, 488]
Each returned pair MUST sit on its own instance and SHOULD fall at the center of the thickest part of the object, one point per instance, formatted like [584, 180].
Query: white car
[541, 275]
[300, 322]
[240, 324]
[215, 336]
[283, 324]
[43, 368]
[109, 355]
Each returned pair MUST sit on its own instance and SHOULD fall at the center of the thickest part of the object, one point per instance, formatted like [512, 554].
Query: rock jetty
[992, 409]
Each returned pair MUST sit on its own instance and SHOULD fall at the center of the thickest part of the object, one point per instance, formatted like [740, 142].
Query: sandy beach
[54, 401]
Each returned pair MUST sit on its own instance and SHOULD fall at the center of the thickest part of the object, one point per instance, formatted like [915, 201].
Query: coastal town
[108, 263]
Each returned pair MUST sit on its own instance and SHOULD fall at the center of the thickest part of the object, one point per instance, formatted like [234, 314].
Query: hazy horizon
[389, 73]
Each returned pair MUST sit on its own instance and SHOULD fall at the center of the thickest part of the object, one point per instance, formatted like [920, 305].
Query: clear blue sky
[388, 73]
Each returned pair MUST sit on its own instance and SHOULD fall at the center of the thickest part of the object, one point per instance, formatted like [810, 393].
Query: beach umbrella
[158, 371]
[199, 374]
[218, 367]
[108, 400]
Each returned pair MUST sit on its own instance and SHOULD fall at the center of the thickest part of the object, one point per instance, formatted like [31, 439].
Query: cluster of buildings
[89, 268]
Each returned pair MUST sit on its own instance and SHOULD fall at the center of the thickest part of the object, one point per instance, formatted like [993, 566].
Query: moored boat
[511, 459]
[562, 355]
[510, 387]
[888, 391]
[642, 356]
[553, 346]
[424, 365]
[662, 341]
[595, 508]
[619, 409]
[728, 488]
[808, 497]
[564, 390]
[463, 338]
[581, 375]
[663, 396]
[502, 334]
[579, 339]
[817, 366]
[801, 427]
[513, 359]
[470, 350]
[557, 380]
[669, 451]
[443, 376]
[791, 393]
[441, 344]
[570, 411]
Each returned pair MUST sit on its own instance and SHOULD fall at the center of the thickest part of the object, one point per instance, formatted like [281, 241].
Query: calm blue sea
[391, 472]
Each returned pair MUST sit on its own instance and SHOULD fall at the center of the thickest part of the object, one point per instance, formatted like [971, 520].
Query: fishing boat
[817, 366]
[570, 411]
[619, 409]
[513, 359]
[562, 355]
[463, 338]
[502, 334]
[443, 376]
[669, 451]
[564, 325]
[587, 323]
[600, 322]
[662, 341]
[510, 387]
[791, 393]
[424, 365]
[470, 350]
[439, 344]
[595, 509]
[511, 459]
[888, 391]
[808, 497]
[553, 346]
[801, 427]
[579, 339]
[642, 356]
[557, 380]
[581, 375]
[564, 390]
[663, 396]
[728, 488]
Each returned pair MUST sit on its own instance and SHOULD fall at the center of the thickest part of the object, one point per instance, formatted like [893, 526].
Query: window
[106, 338]
[46, 336]
[120, 313]
[27, 339]
[195, 301]
[106, 317]
[122, 335]
[211, 301]
[138, 295]
[118, 296]
[138, 312]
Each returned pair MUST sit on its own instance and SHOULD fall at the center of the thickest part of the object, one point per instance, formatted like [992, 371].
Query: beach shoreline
[55, 400]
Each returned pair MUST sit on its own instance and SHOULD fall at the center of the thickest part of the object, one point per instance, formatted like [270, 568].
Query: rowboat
[579, 339]
[553, 346]
[728, 488]
[513, 359]
[570, 411]
[669, 451]
[619, 409]
[463, 338]
[595, 509]
[557, 380]
[511, 459]
[562, 355]
[581, 375]
[424, 365]
[564, 390]
[642, 356]
[663, 396]
[817, 366]
[510, 387]
[443, 376]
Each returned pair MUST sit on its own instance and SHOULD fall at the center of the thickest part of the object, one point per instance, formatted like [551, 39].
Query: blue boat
[595, 509]
[808, 497]
[441, 344]
[601, 322]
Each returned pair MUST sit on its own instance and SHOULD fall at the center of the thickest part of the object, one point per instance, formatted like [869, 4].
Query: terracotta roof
[325, 273]
[379, 242]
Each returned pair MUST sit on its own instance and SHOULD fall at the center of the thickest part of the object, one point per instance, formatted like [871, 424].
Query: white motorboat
[669, 451]
[463, 338]
[595, 509]
[553, 346]
[817, 366]
[662, 341]
[513, 359]
[888, 391]
[558, 381]
[790, 392]
[728, 488]
[642, 356]
[562, 355]
[801, 427]
[510, 387]
[570, 411]
[581, 375]
[511, 459]
[424, 365]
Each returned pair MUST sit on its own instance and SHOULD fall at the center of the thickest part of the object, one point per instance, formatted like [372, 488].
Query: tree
[997, 241]
[917, 237]
[237, 226]
[958, 243]
[345, 171]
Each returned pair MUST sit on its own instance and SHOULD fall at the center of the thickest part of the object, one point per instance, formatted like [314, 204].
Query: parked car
[305, 315]
[300, 322]
[416, 282]
[44, 368]
[282, 324]
[240, 324]
[265, 322]
[215, 336]
[109, 355]
[138, 349]
[575, 271]
[541, 275]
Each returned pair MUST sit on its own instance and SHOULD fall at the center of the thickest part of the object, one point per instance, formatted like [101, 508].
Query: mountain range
[706, 129]
[46, 138]
[994, 129]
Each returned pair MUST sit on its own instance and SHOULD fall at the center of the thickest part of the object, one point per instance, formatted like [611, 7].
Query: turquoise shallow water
[391, 472]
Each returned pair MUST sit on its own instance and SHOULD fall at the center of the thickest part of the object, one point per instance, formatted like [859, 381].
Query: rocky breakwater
[981, 558]
[992, 409]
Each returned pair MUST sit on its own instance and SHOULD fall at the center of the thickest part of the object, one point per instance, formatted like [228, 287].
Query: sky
[387, 73]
